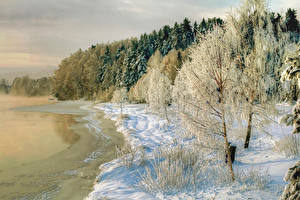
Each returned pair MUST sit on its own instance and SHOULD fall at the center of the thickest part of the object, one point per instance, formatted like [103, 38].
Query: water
[44, 149]
[26, 137]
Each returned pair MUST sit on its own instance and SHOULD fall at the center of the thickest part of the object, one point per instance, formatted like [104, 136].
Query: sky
[40, 33]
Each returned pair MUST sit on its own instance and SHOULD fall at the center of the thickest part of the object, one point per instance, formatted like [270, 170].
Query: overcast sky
[42, 32]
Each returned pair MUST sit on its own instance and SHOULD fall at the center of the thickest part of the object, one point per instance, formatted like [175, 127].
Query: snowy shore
[142, 128]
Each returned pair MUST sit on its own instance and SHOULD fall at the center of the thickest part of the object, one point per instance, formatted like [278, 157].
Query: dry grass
[289, 145]
[179, 169]
[252, 179]
[126, 154]
[129, 155]
[171, 170]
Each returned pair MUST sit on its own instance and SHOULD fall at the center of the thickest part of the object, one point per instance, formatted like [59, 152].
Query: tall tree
[176, 37]
[195, 29]
[187, 33]
[107, 59]
[291, 22]
[204, 91]
[159, 86]
[258, 56]
[203, 26]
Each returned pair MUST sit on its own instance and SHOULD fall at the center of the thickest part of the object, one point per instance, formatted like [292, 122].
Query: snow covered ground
[142, 128]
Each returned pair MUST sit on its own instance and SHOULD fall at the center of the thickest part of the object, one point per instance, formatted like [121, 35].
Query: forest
[4, 86]
[218, 83]
[97, 72]
[101, 69]
[25, 86]
[203, 92]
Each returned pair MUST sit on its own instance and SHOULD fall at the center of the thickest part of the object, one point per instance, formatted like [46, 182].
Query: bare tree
[204, 91]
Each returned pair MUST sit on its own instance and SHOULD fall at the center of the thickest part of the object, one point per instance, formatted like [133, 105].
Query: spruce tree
[176, 37]
[187, 31]
[291, 22]
[203, 26]
[195, 29]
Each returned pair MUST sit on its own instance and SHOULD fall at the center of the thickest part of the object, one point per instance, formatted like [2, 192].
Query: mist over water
[26, 137]
[10, 73]
[43, 148]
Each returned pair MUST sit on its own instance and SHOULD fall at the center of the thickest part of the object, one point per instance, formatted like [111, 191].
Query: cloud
[283, 5]
[27, 60]
[56, 28]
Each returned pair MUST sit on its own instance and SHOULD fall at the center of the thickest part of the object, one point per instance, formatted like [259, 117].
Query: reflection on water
[62, 129]
[41, 157]
[29, 136]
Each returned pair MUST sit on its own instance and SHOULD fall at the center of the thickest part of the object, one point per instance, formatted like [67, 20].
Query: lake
[52, 150]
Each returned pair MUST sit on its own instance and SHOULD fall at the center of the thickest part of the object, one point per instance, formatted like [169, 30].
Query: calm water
[26, 137]
[42, 153]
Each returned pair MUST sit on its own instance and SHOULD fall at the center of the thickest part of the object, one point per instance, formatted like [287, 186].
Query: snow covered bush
[120, 96]
[172, 170]
[289, 145]
[181, 168]
[126, 154]
[252, 179]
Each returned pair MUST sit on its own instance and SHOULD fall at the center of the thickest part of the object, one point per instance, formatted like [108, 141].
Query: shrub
[252, 179]
[180, 168]
[289, 145]
[171, 170]
[126, 154]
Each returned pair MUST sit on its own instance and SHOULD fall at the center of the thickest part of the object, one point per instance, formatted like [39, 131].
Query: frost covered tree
[257, 59]
[293, 72]
[120, 96]
[159, 87]
[204, 91]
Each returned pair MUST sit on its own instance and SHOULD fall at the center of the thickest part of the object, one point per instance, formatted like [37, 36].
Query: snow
[143, 128]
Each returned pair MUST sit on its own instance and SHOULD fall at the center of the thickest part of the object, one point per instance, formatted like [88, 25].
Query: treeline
[24, 86]
[4, 86]
[97, 72]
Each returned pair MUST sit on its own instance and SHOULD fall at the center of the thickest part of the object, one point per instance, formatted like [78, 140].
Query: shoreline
[144, 129]
[74, 180]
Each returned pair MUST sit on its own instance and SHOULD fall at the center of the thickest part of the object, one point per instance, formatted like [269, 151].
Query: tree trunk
[249, 128]
[121, 109]
[166, 113]
[227, 151]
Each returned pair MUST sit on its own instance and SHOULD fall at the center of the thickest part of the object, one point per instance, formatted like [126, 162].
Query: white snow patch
[141, 128]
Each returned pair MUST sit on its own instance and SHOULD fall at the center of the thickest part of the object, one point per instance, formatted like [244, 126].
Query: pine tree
[203, 26]
[195, 29]
[107, 60]
[165, 40]
[118, 54]
[187, 32]
[291, 22]
[176, 37]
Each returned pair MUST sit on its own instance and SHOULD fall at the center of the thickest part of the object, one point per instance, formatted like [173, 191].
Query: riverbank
[70, 173]
[259, 169]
